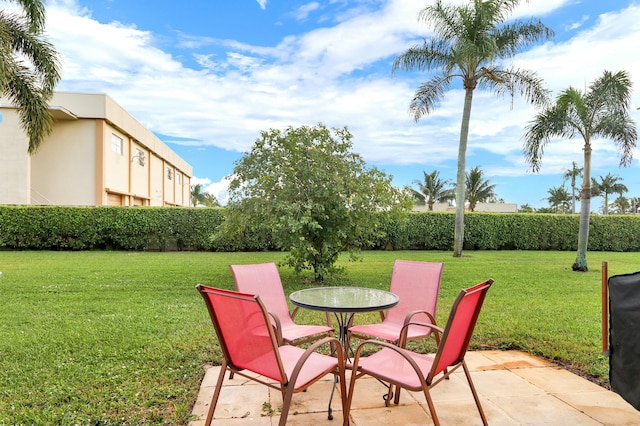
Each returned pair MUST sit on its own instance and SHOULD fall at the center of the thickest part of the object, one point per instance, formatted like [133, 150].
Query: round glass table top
[344, 299]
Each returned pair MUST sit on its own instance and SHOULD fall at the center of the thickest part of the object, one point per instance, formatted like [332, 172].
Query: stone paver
[515, 388]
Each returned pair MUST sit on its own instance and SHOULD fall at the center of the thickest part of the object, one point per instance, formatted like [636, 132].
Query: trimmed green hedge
[180, 228]
[117, 228]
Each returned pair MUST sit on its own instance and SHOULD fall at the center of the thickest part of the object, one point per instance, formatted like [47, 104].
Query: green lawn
[121, 337]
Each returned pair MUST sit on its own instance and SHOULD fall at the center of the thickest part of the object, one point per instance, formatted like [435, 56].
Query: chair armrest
[327, 315]
[411, 314]
[277, 327]
[402, 341]
[335, 343]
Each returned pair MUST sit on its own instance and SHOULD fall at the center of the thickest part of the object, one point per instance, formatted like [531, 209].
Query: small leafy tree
[478, 189]
[433, 189]
[313, 194]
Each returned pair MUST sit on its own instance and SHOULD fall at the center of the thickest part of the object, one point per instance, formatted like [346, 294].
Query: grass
[122, 337]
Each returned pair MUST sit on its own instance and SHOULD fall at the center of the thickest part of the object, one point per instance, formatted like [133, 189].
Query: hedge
[180, 228]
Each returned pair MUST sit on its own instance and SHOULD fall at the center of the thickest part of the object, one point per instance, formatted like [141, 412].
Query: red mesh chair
[417, 285]
[263, 279]
[420, 372]
[248, 342]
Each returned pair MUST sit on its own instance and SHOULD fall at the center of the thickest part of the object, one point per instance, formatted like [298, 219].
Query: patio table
[344, 303]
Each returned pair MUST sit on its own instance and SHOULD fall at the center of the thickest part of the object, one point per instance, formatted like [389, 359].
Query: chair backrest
[417, 285]
[263, 279]
[459, 329]
[245, 334]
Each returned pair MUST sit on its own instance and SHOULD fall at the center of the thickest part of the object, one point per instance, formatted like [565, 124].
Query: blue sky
[208, 75]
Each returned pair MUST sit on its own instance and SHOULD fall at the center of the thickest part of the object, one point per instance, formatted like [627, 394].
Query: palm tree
[28, 68]
[608, 185]
[572, 175]
[526, 208]
[433, 189]
[210, 200]
[479, 189]
[469, 41]
[197, 196]
[558, 199]
[621, 205]
[602, 110]
[634, 204]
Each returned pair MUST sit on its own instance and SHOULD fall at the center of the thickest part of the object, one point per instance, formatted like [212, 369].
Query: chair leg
[396, 399]
[432, 408]
[216, 393]
[475, 394]
[286, 404]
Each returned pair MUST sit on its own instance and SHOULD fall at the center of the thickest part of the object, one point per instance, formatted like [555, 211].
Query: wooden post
[605, 307]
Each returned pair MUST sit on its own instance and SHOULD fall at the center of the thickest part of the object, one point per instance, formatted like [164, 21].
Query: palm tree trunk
[458, 237]
[585, 206]
[573, 194]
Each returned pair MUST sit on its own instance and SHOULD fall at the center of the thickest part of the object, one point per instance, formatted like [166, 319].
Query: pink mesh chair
[264, 279]
[249, 345]
[419, 372]
[417, 285]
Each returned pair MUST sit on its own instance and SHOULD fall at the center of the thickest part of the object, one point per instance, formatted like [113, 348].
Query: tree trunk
[573, 195]
[458, 237]
[585, 206]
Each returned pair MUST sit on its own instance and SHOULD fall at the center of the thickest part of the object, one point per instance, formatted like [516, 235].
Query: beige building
[97, 154]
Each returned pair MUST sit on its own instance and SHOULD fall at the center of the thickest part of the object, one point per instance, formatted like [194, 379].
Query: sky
[207, 76]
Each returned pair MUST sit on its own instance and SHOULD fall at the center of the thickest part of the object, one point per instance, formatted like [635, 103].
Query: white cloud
[303, 11]
[327, 75]
[262, 3]
[576, 24]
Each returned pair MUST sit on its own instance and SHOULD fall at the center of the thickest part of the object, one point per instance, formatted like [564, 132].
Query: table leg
[343, 319]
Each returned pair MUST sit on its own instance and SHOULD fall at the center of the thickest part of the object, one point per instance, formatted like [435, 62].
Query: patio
[514, 387]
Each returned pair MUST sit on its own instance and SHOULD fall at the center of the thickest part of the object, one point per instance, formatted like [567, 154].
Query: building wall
[15, 178]
[79, 164]
[156, 185]
[63, 170]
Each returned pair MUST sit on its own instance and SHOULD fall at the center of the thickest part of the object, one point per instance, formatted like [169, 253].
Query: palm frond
[514, 81]
[429, 94]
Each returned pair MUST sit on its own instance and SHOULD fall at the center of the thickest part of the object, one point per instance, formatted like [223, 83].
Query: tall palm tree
[601, 110]
[572, 175]
[558, 199]
[29, 69]
[434, 189]
[469, 42]
[478, 189]
[609, 184]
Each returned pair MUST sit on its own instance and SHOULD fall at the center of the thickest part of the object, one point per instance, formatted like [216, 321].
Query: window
[116, 144]
[169, 173]
[179, 178]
